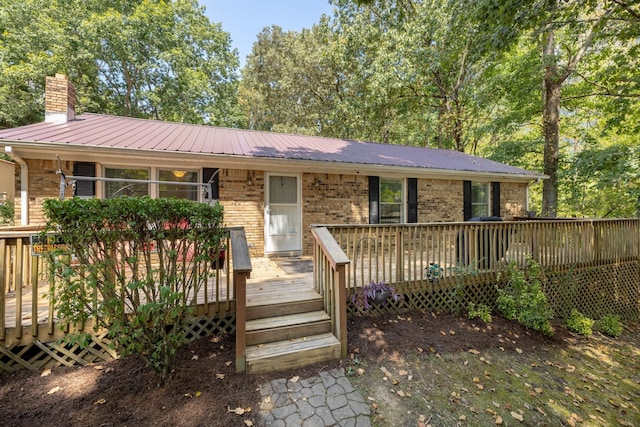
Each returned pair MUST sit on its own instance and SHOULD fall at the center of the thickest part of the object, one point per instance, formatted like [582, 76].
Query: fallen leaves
[518, 416]
[239, 410]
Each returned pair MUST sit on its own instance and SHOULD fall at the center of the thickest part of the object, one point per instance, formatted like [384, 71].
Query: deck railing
[241, 272]
[27, 314]
[414, 256]
[329, 280]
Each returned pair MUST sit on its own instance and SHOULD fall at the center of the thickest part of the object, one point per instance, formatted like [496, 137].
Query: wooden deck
[268, 282]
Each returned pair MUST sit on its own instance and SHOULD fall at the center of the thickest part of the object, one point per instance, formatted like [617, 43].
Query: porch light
[179, 174]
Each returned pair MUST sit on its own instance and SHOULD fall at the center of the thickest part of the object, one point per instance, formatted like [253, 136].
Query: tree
[289, 83]
[419, 76]
[143, 58]
[570, 35]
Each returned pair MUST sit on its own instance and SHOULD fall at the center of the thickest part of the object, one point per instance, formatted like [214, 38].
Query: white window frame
[475, 205]
[402, 203]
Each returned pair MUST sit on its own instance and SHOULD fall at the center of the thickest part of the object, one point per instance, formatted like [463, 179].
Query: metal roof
[112, 132]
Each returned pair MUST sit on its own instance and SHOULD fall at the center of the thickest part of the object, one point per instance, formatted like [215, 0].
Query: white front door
[283, 216]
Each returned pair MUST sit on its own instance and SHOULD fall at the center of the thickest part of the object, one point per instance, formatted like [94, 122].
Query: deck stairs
[287, 330]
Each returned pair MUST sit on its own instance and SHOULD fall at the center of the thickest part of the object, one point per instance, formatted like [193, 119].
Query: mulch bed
[205, 390]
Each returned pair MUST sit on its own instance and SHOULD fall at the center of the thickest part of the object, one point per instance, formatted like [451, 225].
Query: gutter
[24, 185]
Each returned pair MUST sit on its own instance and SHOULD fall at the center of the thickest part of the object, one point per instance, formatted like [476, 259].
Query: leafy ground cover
[414, 369]
[444, 371]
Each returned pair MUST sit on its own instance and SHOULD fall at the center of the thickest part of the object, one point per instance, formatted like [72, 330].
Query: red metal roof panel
[97, 130]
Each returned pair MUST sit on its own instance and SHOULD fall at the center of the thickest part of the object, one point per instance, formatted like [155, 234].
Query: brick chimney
[60, 100]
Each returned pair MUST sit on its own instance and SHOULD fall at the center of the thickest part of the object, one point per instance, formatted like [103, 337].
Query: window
[391, 201]
[189, 192]
[115, 188]
[479, 199]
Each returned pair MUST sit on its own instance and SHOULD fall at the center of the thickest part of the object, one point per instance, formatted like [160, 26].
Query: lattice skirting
[39, 355]
[454, 299]
[595, 291]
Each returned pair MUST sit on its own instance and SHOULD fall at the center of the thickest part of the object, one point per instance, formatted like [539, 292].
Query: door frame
[268, 176]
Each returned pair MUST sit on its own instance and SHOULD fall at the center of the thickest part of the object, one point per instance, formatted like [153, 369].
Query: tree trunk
[551, 126]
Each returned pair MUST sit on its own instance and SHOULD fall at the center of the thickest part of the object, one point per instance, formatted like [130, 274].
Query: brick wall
[43, 184]
[513, 199]
[242, 196]
[440, 200]
[332, 199]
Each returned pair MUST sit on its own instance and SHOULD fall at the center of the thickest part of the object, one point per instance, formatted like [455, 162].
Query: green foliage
[523, 300]
[139, 263]
[481, 311]
[374, 293]
[604, 179]
[7, 212]
[152, 59]
[579, 323]
[610, 325]
[457, 295]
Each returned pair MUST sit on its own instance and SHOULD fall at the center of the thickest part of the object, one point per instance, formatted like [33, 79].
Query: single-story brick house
[275, 185]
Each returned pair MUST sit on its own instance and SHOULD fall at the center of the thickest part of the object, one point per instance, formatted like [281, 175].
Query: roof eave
[123, 156]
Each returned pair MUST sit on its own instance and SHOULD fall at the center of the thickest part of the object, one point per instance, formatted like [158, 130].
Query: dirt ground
[206, 391]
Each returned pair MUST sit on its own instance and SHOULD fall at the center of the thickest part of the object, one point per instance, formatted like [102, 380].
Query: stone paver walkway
[324, 400]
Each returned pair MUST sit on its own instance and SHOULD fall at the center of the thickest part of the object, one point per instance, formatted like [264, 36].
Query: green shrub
[523, 300]
[579, 323]
[140, 263]
[610, 325]
[481, 311]
[7, 212]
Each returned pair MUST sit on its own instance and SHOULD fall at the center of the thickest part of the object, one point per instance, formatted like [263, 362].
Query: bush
[523, 300]
[481, 311]
[140, 264]
[7, 212]
[579, 323]
[610, 325]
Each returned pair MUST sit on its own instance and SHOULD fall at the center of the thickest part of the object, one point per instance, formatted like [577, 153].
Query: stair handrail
[329, 278]
[241, 266]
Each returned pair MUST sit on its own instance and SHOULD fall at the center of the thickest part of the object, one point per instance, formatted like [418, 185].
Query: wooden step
[282, 304]
[281, 328]
[292, 353]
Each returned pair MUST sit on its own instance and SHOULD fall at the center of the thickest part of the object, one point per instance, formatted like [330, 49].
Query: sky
[244, 19]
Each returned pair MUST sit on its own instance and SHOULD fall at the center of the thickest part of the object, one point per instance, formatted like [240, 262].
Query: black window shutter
[495, 198]
[412, 200]
[207, 173]
[84, 188]
[374, 200]
[466, 195]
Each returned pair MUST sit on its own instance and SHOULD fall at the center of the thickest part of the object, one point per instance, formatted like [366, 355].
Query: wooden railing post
[3, 288]
[241, 262]
[340, 304]
[399, 255]
[17, 284]
[34, 296]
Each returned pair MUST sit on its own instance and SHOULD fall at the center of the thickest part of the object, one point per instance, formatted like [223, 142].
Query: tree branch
[571, 65]
[627, 8]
